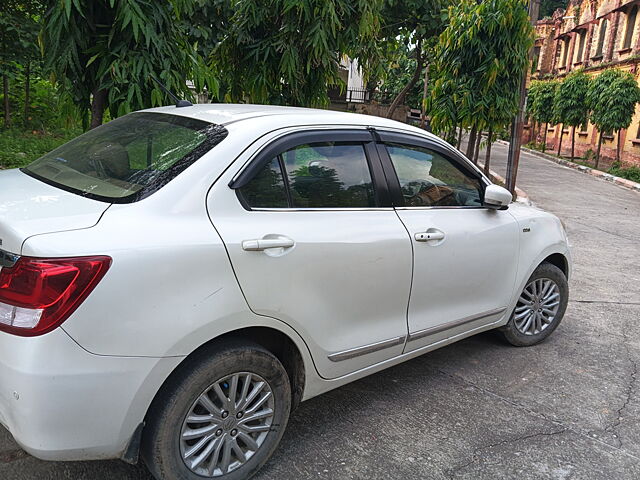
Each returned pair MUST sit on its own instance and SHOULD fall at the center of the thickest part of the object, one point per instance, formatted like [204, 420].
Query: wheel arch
[560, 261]
[271, 339]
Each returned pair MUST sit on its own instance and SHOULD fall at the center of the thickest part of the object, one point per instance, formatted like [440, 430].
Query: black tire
[161, 440]
[516, 337]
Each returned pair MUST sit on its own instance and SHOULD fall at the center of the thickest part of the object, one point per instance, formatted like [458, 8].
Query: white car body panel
[174, 285]
[30, 207]
[294, 286]
[465, 280]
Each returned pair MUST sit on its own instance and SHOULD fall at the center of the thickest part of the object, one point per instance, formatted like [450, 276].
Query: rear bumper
[61, 402]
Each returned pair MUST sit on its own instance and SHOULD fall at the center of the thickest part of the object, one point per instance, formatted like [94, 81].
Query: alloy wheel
[537, 306]
[227, 424]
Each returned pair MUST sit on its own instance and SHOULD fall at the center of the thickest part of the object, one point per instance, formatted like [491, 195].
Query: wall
[559, 39]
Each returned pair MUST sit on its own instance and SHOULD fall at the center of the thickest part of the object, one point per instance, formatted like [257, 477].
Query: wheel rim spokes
[227, 424]
[537, 306]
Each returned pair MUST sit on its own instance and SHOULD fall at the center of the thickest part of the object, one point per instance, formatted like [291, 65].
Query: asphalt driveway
[565, 409]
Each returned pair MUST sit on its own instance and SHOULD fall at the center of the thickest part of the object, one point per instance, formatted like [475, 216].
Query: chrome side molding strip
[455, 323]
[392, 342]
[373, 347]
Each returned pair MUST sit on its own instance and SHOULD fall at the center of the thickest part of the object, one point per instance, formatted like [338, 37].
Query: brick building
[594, 35]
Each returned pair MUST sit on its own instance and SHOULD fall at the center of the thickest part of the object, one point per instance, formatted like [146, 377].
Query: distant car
[176, 281]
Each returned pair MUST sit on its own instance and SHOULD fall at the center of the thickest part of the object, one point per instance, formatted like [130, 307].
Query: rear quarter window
[128, 158]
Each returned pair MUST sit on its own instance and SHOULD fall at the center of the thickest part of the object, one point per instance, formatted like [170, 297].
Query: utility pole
[517, 124]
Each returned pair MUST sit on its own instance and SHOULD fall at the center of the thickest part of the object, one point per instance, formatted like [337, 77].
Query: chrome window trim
[365, 349]
[453, 324]
[450, 207]
[324, 209]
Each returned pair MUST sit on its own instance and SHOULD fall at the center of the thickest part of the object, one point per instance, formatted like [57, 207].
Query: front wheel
[540, 307]
[220, 416]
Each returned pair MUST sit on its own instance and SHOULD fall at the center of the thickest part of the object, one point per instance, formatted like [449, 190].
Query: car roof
[227, 113]
[275, 117]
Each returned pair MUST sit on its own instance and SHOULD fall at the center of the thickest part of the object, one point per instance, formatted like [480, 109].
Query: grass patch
[19, 148]
[630, 173]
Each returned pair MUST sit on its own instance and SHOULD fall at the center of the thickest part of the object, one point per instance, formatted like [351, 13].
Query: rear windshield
[128, 158]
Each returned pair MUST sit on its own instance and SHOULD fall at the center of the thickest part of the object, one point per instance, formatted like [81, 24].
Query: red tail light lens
[37, 295]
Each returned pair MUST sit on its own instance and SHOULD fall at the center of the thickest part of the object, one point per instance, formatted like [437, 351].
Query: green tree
[480, 58]
[547, 7]
[570, 104]
[18, 47]
[289, 52]
[400, 70]
[540, 104]
[104, 53]
[407, 26]
[612, 99]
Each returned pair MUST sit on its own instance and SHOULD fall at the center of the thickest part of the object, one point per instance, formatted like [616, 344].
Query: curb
[521, 195]
[623, 182]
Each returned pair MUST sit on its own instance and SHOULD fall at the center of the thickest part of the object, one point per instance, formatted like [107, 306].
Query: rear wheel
[221, 416]
[540, 307]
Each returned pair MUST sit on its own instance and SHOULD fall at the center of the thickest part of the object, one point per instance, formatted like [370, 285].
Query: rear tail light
[37, 295]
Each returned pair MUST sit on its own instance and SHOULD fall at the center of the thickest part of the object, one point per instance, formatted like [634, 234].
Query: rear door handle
[429, 235]
[265, 243]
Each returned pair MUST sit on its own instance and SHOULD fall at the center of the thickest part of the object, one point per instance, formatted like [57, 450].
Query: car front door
[315, 242]
[465, 255]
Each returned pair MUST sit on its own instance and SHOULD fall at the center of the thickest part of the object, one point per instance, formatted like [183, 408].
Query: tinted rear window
[128, 158]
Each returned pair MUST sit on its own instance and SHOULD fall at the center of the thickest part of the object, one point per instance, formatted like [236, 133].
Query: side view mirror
[497, 197]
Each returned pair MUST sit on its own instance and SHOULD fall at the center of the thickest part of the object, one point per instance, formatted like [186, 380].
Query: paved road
[479, 409]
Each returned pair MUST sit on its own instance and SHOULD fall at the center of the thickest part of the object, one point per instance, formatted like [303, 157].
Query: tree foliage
[408, 33]
[479, 62]
[400, 68]
[18, 43]
[547, 7]
[570, 105]
[612, 98]
[540, 100]
[104, 52]
[289, 51]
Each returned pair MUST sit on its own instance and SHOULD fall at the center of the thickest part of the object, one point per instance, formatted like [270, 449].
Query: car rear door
[465, 255]
[314, 242]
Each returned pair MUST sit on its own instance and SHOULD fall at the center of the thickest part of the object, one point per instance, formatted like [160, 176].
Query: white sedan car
[174, 283]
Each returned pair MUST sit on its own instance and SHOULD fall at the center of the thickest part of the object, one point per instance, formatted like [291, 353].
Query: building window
[565, 52]
[601, 35]
[631, 24]
[581, 40]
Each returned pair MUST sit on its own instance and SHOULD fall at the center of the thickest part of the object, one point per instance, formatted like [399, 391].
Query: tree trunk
[560, 142]
[477, 148]
[573, 142]
[98, 105]
[618, 148]
[471, 142]
[540, 128]
[598, 150]
[459, 137]
[423, 113]
[487, 156]
[544, 137]
[5, 91]
[414, 79]
[27, 92]
[532, 132]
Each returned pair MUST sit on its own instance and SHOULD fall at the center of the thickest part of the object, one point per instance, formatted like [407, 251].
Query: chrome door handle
[429, 235]
[264, 243]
